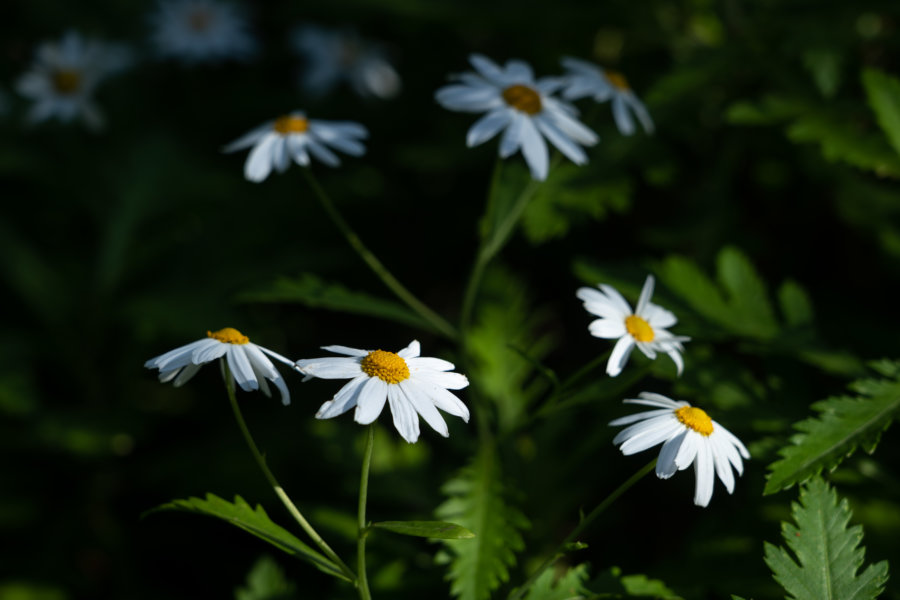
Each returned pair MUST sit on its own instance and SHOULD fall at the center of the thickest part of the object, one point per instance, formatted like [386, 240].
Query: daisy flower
[197, 31]
[410, 383]
[332, 56]
[688, 436]
[294, 137]
[588, 80]
[520, 106]
[247, 362]
[644, 327]
[64, 75]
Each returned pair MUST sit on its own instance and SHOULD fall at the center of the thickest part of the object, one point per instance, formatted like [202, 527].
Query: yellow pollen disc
[696, 419]
[617, 80]
[289, 124]
[523, 98]
[639, 329]
[386, 366]
[66, 81]
[229, 335]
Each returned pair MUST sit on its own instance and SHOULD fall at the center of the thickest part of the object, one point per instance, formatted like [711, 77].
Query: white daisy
[248, 362]
[293, 136]
[332, 56]
[520, 106]
[644, 327]
[586, 79]
[410, 383]
[197, 31]
[688, 436]
[64, 75]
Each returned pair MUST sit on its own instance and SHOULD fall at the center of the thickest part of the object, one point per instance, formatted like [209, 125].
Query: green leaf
[478, 501]
[795, 304]
[429, 529]
[844, 423]
[257, 522]
[883, 92]
[612, 583]
[827, 552]
[266, 581]
[825, 65]
[568, 586]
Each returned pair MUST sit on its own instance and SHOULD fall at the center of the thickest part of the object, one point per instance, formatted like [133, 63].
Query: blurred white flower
[408, 382]
[198, 31]
[520, 106]
[588, 80]
[247, 362]
[64, 75]
[688, 436]
[645, 327]
[333, 55]
[294, 137]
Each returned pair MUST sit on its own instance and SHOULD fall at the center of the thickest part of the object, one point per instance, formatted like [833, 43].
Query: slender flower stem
[598, 510]
[279, 491]
[436, 320]
[363, 584]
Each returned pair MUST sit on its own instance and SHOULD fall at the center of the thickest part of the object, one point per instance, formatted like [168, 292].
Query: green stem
[436, 321]
[363, 585]
[279, 491]
[598, 510]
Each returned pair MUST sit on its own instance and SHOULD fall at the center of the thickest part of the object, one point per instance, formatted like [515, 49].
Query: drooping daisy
[588, 80]
[408, 382]
[332, 56]
[644, 327]
[65, 74]
[294, 137]
[520, 106]
[198, 31]
[247, 362]
[688, 436]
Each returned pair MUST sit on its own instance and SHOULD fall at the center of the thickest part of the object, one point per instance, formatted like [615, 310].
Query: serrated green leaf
[441, 530]
[883, 92]
[266, 581]
[827, 551]
[844, 423]
[568, 586]
[478, 501]
[254, 521]
[795, 304]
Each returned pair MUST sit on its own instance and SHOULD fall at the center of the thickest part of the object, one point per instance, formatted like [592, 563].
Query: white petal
[428, 363]
[443, 399]
[720, 457]
[486, 67]
[621, 116]
[344, 400]
[519, 71]
[512, 137]
[259, 162]
[372, 395]
[185, 374]
[675, 355]
[616, 299]
[703, 470]
[646, 294]
[572, 150]
[641, 111]
[412, 351]
[534, 148]
[323, 154]
[619, 356]
[443, 379]
[241, 369]
[296, 147]
[607, 328]
[665, 464]
[653, 399]
[688, 451]
[211, 349]
[162, 361]
[424, 406]
[649, 414]
[405, 418]
[346, 350]
[330, 367]
[657, 316]
[249, 139]
[488, 126]
[651, 437]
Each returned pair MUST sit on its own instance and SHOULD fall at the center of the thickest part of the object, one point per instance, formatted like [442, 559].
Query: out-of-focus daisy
[197, 31]
[588, 80]
[333, 55]
[65, 74]
[644, 327]
[247, 361]
[294, 137]
[688, 436]
[408, 382]
[520, 106]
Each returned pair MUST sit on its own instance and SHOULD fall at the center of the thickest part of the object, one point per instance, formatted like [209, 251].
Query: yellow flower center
[639, 329]
[523, 98]
[696, 419]
[617, 80]
[290, 124]
[199, 19]
[66, 81]
[229, 335]
[386, 366]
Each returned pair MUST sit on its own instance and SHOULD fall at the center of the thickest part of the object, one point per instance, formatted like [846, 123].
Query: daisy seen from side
[201, 31]
[586, 79]
[644, 327]
[249, 363]
[411, 384]
[523, 108]
[688, 436]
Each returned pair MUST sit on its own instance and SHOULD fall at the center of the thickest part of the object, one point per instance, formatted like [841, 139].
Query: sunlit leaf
[568, 586]
[883, 91]
[266, 581]
[428, 529]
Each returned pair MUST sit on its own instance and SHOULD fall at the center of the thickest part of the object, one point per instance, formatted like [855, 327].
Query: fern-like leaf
[568, 586]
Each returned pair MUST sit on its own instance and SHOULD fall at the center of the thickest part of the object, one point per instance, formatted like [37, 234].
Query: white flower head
[410, 384]
[198, 31]
[644, 327]
[688, 436]
[65, 74]
[520, 106]
[332, 56]
[588, 80]
[294, 137]
[247, 362]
